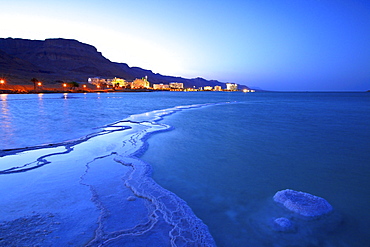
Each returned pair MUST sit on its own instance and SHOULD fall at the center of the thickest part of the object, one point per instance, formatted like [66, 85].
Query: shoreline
[71, 91]
[154, 211]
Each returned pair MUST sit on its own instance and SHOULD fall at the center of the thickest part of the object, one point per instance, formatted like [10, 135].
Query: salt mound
[283, 224]
[303, 203]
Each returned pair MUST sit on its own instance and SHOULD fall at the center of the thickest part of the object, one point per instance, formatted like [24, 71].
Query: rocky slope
[53, 60]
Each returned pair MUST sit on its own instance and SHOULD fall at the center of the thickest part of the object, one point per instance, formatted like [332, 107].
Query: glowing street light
[2, 81]
[84, 86]
[39, 84]
[64, 84]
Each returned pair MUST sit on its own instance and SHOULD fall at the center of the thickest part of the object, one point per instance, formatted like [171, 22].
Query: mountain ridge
[57, 59]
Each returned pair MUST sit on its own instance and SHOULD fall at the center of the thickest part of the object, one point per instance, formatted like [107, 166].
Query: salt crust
[283, 224]
[130, 207]
[303, 203]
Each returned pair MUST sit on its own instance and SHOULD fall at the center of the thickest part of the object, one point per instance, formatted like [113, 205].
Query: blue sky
[270, 44]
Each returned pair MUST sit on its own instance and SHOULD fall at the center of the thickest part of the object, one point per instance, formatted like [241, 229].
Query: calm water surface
[228, 160]
[34, 119]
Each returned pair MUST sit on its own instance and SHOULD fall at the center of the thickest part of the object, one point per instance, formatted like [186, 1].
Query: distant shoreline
[71, 91]
[51, 91]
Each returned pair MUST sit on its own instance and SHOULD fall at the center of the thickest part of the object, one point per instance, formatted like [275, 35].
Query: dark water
[227, 162]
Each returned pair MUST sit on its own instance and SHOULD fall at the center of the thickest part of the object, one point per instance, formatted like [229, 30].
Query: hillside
[53, 60]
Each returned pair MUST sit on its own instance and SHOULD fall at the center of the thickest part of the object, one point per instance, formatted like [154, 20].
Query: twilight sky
[270, 44]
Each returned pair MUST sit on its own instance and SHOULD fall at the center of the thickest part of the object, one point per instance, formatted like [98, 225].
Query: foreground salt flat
[93, 192]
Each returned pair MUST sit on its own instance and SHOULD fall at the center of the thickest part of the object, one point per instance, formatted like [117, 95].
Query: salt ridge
[167, 217]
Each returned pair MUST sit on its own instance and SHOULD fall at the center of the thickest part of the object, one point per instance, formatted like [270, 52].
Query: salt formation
[294, 218]
[303, 203]
[283, 224]
[94, 191]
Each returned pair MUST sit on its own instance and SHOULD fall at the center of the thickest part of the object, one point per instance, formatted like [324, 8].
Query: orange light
[64, 85]
[2, 81]
[39, 83]
[98, 86]
[84, 85]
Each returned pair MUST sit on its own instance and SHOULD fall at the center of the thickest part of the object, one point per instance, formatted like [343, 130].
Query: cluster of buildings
[119, 83]
[176, 86]
[143, 83]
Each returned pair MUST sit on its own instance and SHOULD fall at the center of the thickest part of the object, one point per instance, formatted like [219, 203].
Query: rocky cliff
[53, 60]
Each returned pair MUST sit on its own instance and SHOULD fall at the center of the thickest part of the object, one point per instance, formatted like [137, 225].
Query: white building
[161, 86]
[218, 88]
[97, 81]
[176, 85]
[115, 82]
[231, 86]
[140, 83]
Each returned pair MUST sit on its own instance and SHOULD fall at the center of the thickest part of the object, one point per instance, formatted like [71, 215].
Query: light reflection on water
[5, 119]
[64, 117]
[3, 97]
[42, 115]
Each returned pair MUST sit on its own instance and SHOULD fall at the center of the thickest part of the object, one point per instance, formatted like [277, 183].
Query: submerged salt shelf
[93, 192]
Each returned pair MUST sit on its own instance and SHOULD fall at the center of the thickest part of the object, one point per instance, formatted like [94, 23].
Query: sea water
[34, 119]
[227, 162]
[226, 156]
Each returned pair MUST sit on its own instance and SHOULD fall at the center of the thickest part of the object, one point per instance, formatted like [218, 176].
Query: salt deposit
[303, 203]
